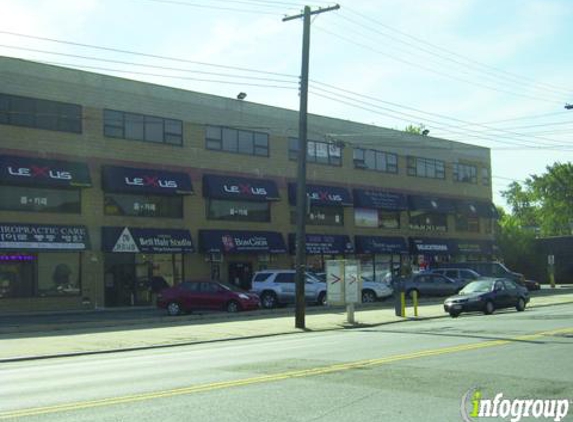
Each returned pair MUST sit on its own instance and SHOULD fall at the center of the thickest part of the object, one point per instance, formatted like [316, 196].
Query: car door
[501, 297]
[211, 295]
[188, 295]
[512, 292]
[310, 288]
[287, 288]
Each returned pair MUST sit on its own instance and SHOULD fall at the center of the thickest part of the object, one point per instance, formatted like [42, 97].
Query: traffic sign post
[344, 285]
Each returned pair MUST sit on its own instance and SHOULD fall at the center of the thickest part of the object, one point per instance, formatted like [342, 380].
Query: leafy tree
[418, 130]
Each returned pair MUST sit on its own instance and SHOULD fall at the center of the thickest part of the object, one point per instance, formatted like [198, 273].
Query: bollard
[415, 300]
[403, 304]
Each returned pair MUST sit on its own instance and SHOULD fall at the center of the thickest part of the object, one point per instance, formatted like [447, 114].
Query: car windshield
[230, 287]
[480, 286]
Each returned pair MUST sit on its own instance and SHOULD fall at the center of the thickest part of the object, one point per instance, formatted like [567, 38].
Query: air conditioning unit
[214, 257]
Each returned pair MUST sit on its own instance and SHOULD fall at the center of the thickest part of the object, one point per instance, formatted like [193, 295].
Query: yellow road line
[275, 377]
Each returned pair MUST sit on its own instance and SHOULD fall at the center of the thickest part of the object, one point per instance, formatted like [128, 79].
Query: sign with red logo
[322, 195]
[133, 180]
[239, 188]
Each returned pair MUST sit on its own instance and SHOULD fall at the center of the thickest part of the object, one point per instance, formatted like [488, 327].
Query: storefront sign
[429, 246]
[380, 245]
[139, 240]
[431, 204]
[235, 241]
[322, 195]
[43, 237]
[43, 172]
[317, 244]
[391, 201]
[135, 180]
[468, 247]
[239, 188]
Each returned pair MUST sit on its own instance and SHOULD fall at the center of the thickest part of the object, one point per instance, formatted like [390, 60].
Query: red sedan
[197, 295]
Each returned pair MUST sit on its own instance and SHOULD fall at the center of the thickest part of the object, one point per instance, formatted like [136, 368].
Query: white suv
[277, 287]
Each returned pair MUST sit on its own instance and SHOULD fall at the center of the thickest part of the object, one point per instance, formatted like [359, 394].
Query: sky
[486, 72]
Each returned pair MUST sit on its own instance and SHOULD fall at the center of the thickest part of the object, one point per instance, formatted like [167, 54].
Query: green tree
[418, 130]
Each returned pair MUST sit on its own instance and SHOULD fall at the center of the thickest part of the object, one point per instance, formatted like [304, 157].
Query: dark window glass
[421, 220]
[466, 223]
[317, 152]
[322, 216]
[139, 127]
[230, 140]
[219, 209]
[485, 179]
[189, 286]
[426, 167]
[465, 173]
[40, 114]
[284, 278]
[143, 205]
[59, 274]
[375, 160]
[17, 275]
[239, 141]
[246, 144]
[16, 198]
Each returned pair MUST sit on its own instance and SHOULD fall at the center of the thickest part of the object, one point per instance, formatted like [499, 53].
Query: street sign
[335, 282]
[551, 259]
[352, 282]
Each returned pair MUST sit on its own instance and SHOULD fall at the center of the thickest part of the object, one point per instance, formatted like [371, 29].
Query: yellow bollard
[403, 303]
[415, 300]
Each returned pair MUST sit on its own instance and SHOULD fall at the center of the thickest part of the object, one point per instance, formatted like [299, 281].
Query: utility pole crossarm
[314, 12]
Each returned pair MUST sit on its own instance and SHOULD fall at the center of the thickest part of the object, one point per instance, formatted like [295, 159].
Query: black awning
[239, 188]
[466, 247]
[473, 208]
[152, 241]
[368, 198]
[43, 237]
[380, 245]
[146, 181]
[431, 246]
[322, 195]
[240, 241]
[431, 204]
[327, 244]
[43, 172]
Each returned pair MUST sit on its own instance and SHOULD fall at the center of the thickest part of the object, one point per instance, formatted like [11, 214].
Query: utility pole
[300, 260]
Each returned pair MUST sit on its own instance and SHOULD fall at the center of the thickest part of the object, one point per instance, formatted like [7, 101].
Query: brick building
[106, 183]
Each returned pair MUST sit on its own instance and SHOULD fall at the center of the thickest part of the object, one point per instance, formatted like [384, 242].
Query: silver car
[277, 287]
[428, 284]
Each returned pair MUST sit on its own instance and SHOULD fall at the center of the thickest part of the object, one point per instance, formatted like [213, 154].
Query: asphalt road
[413, 371]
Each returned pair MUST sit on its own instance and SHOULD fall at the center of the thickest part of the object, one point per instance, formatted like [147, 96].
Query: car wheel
[520, 305]
[173, 309]
[454, 314]
[489, 308]
[321, 299]
[233, 306]
[269, 300]
[368, 296]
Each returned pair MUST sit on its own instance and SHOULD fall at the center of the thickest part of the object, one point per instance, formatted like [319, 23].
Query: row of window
[54, 115]
[14, 198]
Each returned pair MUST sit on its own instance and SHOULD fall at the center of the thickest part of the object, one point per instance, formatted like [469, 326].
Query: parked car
[531, 285]
[372, 290]
[489, 269]
[487, 295]
[198, 295]
[427, 284]
[277, 287]
[462, 275]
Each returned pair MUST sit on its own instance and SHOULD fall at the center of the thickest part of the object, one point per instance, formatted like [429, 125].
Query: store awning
[43, 237]
[43, 172]
[380, 245]
[484, 209]
[431, 204]
[368, 198]
[145, 181]
[322, 195]
[143, 240]
[327, 244]
[239, 188]
[241, 241]
[430, 246]
[468, 247]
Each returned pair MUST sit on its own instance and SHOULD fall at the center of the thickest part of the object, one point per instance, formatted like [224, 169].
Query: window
[485, 177]
[16, 198]
[40, 114]
[139, 127]
[322, 216]
[426, 167]
[40, 275]
[237, 141]
[317, 152]
[219, 209]
[285, 278]
[370, 159]
[376, 218]
[466, 223]
[421, 220]
[143, 205]
[465, 173]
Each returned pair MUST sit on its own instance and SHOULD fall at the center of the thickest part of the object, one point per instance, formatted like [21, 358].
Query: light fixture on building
[241, 96]
[425, 132]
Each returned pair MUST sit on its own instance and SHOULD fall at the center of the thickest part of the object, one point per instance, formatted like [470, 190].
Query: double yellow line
[201, 388]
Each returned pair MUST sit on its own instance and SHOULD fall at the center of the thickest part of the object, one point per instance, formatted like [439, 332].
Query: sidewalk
[95, 337]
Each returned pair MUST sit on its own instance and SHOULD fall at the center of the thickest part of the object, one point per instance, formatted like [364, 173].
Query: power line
[202, 6]
[468, 59]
